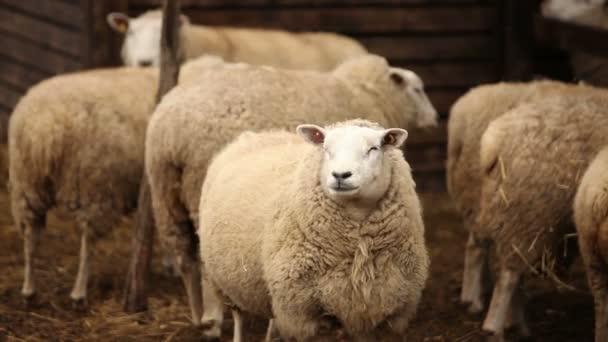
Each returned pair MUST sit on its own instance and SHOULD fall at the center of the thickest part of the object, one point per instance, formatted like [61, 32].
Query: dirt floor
[553, 315]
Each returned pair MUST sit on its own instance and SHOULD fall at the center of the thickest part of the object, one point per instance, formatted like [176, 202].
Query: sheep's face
[141, 46]
[354, 165]
[426, 114]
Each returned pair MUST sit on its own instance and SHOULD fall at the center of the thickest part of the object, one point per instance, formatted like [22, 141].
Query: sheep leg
[191, 276]
[237, 336]
[502, 299]
[79, 291]
[476, 274]
[601, 315]
[213, 313]
[517, 317]
[271, 332]
[31, 236]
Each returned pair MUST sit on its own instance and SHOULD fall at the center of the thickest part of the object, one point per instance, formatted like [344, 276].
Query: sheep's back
[83, 133]
[532, 159]
[237, 199]
[194, 121]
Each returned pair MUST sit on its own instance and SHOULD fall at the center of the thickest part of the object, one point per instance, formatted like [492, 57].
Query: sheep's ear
[311, 133]
[119, 22]
[397, 78]
[394, 137]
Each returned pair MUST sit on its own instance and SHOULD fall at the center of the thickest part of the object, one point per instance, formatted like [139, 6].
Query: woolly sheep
[531, 160]
[313, 51]
[322, 233]
[76, 143]
[194, 120]
[591, 218]
[469, 118]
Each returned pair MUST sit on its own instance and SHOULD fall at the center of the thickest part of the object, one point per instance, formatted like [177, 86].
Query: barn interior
[453, 45]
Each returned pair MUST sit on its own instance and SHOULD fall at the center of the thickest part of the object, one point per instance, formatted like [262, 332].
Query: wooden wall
[451, 44]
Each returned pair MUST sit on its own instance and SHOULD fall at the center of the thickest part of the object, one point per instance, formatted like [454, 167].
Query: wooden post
[135, 295]
[518, 39]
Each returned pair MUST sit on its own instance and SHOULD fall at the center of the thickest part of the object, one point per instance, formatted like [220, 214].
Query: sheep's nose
[341, 175]
[145, 63]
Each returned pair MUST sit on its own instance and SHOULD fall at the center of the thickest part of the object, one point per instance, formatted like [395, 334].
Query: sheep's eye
[373, 148]
[418, 91]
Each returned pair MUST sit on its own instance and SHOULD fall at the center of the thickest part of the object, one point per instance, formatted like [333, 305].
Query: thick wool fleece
[532, 159]
[591, 218]
[469, 118]
[76, 142]
[195, 120]
[267, 207]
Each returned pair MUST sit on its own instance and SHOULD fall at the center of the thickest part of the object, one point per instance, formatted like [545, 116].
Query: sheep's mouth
[342, 188]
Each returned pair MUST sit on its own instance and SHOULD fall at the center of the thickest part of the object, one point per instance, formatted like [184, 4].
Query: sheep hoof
[211, 330]
[29, 299]
[79, 304]
[475, 307]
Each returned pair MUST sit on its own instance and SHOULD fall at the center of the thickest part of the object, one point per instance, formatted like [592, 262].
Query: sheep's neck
[358, 210]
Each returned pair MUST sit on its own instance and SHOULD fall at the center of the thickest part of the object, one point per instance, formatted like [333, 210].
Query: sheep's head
[355, 166]
[141, 46]
[413, 87]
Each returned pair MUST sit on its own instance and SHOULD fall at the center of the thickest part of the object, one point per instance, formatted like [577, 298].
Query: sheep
[469, 117]
[531, 159]
[194, 120]
[310, 51]
[76, 142]
[591, 219]
[324, 232]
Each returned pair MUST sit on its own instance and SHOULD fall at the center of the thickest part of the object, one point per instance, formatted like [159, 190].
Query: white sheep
[313, 51]
[194, 120]
[76, 142]
[531, 160]
[324, 233]
[469, 117]
[591, 218]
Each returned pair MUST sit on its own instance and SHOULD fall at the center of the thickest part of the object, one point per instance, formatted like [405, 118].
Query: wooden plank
[479, 46]
[429, 181]
[359, 19]
[43, 33]
[18, 75]
[518, 40]
[453, 74]
[431, 136]
[54, 11]
[443, 99]
[308, 3]
[8, 96]
[28, 53]
[571, 36]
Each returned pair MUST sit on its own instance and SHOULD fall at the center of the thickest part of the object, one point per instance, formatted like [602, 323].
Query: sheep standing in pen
[312, 51]
[469, 118]
[325, 234]
[193, 121]
[591, 218]
[531, 160]
[76, 142]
